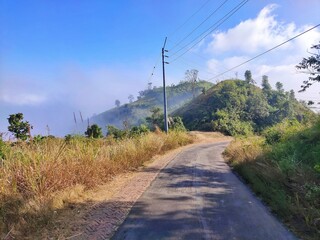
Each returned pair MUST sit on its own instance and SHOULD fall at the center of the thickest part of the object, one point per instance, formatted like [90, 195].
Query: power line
[259, 55]
[222, 20]
[206, 19]
[178, 28]
[153, 69]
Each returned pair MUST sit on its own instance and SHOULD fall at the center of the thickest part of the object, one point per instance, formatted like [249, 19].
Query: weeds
[34, 174]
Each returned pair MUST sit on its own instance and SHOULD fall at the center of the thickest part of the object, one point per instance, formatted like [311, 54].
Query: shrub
[230, 124]
[176, 123]
[138, 130]
[282, 131]
[94, 131]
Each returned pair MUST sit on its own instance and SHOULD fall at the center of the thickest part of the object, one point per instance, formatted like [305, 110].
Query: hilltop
[238, 107]
[135, 113]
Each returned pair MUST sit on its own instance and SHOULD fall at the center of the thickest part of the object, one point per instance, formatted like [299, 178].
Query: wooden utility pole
[164, 87]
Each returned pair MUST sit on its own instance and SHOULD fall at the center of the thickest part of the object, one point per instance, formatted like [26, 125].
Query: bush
[135, 131]
[230, 124]
[138, 130]
[176, 123]
[282, 131]
[94, 131]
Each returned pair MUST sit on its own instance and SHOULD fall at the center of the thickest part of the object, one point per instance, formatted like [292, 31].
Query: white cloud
[254, 36]
[21, 90]
[23, 99]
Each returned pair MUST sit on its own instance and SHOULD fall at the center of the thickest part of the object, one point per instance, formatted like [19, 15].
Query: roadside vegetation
[34, 171]
[283, 167]
[282, 164]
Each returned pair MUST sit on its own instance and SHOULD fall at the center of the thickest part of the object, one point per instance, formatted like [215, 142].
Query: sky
[63, 57]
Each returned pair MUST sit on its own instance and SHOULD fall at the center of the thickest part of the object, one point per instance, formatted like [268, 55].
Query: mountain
[239, 107]
[135, 113]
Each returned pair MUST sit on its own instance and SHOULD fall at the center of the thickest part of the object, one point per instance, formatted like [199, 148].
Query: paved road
[198, 197]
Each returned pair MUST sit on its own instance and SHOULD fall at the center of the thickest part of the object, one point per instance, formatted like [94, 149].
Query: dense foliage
[19, 128]
[94, 131]
[237, 107]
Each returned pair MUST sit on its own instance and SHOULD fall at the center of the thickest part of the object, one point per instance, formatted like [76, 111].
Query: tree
[265, 84]
[94, 131]
[279, 87]
[192, 76]
[19, 128]
[248, 76]
[117, 102]
[156, 118]
[311, 65]
[131, 98]
[292, 95]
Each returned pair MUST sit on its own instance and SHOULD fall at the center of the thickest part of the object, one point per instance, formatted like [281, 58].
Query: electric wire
[217, 24]
[185, 22]
[153, 69]
[206, 19]
[269, 50]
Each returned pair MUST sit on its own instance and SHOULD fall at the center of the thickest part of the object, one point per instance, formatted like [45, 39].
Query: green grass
[284, 172]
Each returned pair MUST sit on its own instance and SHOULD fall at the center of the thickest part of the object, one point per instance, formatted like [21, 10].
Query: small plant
[116, 133]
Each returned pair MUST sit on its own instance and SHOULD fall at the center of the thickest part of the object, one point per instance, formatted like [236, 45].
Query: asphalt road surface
[198, 197]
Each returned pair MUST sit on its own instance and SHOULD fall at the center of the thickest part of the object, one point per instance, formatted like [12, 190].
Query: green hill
[238, 107]
[135, 113]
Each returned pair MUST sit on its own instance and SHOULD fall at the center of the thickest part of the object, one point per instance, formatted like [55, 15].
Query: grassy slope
[137, 111]
[285, 173]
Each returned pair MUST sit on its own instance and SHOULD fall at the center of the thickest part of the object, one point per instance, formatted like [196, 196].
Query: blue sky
[60, 57]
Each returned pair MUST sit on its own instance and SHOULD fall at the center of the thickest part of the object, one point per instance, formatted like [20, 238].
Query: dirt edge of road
[97, 214]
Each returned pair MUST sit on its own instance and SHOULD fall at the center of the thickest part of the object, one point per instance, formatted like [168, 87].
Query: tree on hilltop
[248, 77]
[279, 87]
[117, 103]
[192, 77]
[265, 84]
[131, 98]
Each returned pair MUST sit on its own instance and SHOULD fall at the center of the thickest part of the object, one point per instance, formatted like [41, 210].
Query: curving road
[196, 196]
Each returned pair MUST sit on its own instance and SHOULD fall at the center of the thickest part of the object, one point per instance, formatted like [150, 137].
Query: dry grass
[34, 175]
[244, 150]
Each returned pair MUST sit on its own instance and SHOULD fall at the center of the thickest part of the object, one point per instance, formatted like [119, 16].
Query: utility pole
[164, 87]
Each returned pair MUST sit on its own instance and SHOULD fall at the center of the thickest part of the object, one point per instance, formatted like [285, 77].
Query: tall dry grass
[242, 150]
[33, 174]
